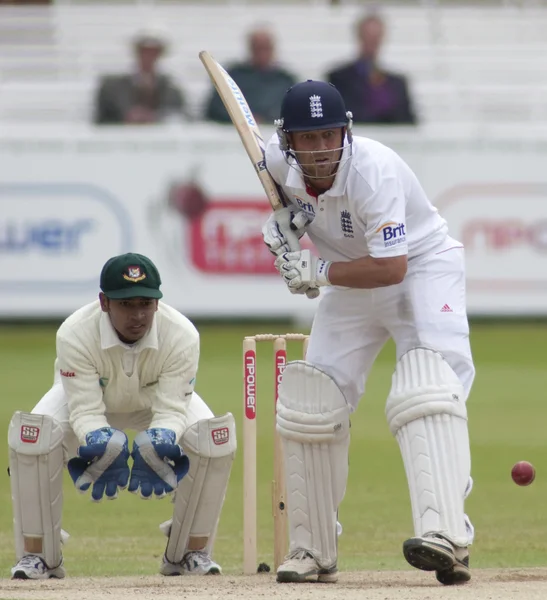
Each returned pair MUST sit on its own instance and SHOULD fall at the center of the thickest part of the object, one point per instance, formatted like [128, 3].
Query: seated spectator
[373, 94]
[143, 97]
[262, 82]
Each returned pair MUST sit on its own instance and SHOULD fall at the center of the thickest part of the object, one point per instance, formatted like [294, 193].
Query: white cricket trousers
[55, 404]
[426, 310]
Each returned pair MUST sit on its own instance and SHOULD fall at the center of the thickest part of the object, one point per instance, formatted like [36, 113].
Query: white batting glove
[283, 230]
[302, 271]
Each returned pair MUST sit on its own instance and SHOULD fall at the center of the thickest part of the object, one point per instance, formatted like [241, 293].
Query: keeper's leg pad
[210, 445]
[313, 421]
[426, 412]
[36, 478]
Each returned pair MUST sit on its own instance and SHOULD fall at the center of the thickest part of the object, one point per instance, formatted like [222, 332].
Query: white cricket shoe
[433, 552]
[193, 563]
[300, 566]
[34, 567]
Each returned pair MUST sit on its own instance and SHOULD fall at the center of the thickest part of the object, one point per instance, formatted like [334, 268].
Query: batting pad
[210, 445]
[427, 414]
[36, 477]
[313, 421]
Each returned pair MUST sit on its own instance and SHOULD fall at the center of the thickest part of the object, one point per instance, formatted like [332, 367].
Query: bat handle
[312, 293]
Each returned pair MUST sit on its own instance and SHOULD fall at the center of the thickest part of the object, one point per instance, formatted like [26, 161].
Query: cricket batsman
[125, 361]
[388, 269]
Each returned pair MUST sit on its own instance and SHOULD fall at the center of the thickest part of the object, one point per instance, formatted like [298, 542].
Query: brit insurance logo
[393, 233]
[307, 207]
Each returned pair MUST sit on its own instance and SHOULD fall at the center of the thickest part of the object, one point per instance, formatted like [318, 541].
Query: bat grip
[312, 293]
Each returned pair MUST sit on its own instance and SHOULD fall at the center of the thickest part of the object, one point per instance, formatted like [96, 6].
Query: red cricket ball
[523, 473]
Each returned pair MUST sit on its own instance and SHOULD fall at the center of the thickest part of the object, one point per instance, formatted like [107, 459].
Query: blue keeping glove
[101, 462]
[158, 463]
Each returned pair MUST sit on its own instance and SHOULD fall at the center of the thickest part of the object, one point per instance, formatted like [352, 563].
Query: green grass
[508, 415]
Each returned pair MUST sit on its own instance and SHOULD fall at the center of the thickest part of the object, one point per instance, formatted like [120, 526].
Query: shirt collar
[109, 337]
[296, 180]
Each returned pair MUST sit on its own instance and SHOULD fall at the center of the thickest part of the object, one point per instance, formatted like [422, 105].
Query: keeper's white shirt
[376, 206]
[100, 374]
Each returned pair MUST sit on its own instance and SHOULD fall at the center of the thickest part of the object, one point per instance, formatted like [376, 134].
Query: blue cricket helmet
[313, 105]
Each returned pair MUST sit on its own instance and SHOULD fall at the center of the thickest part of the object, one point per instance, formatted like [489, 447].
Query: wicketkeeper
[125, 361]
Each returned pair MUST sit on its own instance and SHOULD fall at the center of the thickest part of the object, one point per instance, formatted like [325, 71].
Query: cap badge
[134, 274]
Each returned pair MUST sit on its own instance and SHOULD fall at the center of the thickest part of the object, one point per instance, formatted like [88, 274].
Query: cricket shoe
[194, 563]
[433, 552]
[34, 567]
[300, 566]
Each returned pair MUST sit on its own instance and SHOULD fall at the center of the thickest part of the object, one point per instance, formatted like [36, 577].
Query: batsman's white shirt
[102, 382]
[377, 207]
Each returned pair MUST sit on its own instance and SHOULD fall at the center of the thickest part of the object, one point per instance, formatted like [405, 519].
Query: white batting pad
[427, 414]
[210, 445]
[36, 477]
[313, 420]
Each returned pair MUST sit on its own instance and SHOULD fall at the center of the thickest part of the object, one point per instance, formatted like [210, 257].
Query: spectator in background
[143, 97]
[262, 82]
[371, 93]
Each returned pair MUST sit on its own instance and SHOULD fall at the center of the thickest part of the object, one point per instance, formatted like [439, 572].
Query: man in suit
[371, 93]
[143, 97]
[261, 80]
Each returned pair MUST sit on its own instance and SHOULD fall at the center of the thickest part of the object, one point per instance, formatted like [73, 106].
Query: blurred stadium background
[73, 194]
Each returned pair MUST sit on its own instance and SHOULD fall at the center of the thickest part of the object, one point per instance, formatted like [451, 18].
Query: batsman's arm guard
[210, 445]
[36, 477]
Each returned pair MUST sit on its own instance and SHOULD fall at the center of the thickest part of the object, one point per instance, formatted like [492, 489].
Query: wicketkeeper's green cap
[130, 276]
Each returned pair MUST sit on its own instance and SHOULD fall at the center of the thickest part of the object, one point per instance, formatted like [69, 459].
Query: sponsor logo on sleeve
[67, 373]
[191, 383]
[307, 207]
[393, 233]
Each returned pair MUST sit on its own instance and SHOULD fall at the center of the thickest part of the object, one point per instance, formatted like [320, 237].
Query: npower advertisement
[192, 202]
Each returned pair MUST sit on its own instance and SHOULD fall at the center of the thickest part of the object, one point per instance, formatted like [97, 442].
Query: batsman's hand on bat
[158, 463]
[302, 271]
[101, 461]
[283, 230]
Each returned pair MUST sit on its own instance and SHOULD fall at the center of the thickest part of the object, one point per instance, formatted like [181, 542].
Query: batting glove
[302, 271]
[283, 230]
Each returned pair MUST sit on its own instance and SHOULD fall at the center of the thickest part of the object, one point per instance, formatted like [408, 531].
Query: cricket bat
[252, 140]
